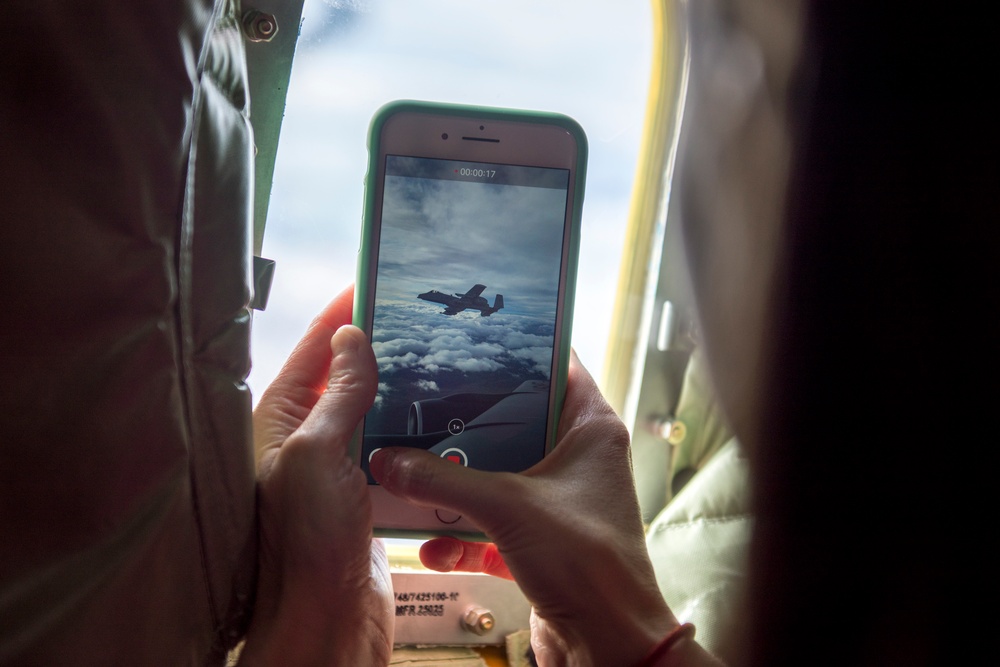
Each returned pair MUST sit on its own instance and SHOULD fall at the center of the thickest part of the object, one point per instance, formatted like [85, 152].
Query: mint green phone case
[365, 256]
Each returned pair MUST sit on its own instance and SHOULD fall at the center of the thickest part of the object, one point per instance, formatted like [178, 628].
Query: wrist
[620, 636]
[625, 613]
[679, 649]
[668, 650]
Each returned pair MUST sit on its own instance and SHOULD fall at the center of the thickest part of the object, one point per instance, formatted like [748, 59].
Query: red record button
[455, 455]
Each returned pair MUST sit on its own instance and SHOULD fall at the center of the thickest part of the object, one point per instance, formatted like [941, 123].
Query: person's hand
[324, 594]
[568, 529]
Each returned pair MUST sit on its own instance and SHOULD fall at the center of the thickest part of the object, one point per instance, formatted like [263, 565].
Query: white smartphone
[465, 285]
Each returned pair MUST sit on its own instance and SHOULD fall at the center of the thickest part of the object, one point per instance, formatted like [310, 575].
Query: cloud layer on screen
[423, 353]
[413, 336]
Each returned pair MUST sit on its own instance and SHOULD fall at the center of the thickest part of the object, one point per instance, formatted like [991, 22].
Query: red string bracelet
[683, 631]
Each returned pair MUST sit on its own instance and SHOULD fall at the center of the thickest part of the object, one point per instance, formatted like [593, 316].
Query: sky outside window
[587, 59]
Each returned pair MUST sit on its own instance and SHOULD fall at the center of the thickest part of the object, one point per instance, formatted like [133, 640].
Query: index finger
[447, 554]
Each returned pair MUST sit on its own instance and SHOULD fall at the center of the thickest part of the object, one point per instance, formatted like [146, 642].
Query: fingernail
[343, 341]
[378, 464]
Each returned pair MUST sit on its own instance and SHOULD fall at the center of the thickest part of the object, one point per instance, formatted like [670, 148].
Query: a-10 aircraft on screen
[468, 301]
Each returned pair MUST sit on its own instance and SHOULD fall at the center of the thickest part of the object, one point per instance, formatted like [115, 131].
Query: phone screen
[467, 291]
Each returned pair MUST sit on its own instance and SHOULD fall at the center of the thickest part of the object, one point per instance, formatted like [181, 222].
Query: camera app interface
[467, 286]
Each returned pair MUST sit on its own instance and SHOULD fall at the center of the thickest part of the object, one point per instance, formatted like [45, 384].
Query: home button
[444, 516]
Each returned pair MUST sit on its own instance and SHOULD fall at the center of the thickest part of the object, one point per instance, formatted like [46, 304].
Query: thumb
[421, 478]
[350, 389]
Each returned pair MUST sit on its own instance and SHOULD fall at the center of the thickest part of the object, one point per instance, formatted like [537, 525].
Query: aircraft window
[587, 59]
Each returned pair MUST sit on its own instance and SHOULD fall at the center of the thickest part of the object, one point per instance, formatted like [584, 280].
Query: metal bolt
[478, 620]
[259, 26]
[678, 431]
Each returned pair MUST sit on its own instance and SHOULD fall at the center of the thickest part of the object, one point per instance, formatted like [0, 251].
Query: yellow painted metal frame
[648, 197]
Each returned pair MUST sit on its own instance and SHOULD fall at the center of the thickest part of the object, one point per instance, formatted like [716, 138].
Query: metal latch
[263, 275]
